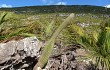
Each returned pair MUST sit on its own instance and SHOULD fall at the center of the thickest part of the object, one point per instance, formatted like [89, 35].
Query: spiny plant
[49, 29]
[50, 44]
[97, 45]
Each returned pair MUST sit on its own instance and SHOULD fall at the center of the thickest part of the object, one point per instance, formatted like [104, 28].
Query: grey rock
[18, 50]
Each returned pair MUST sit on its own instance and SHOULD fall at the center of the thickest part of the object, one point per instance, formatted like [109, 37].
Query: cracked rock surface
[19, 54]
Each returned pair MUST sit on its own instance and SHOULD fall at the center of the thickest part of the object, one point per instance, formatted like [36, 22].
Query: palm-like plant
[2, 17]
[97, 45]
[6, 33]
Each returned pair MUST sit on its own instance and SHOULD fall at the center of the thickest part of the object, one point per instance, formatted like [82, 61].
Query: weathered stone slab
[29, 46]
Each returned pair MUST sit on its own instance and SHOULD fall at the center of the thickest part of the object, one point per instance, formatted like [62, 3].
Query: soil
[16, 38]
[68, 59]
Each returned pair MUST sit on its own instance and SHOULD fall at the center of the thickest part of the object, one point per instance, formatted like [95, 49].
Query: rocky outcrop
[24, 54]
[16, 54]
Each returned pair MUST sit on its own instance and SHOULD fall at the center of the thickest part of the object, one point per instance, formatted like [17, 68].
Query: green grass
[43, 26]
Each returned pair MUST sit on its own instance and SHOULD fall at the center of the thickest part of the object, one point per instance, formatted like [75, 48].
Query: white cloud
[61, 3]
[107, 6]
[5, 6]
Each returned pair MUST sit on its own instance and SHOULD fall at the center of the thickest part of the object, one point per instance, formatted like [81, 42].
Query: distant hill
[59, 9]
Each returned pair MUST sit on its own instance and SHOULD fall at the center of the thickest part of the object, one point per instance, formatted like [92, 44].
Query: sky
[20, 3]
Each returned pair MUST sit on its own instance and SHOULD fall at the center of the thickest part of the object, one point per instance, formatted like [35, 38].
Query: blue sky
[19, 3]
